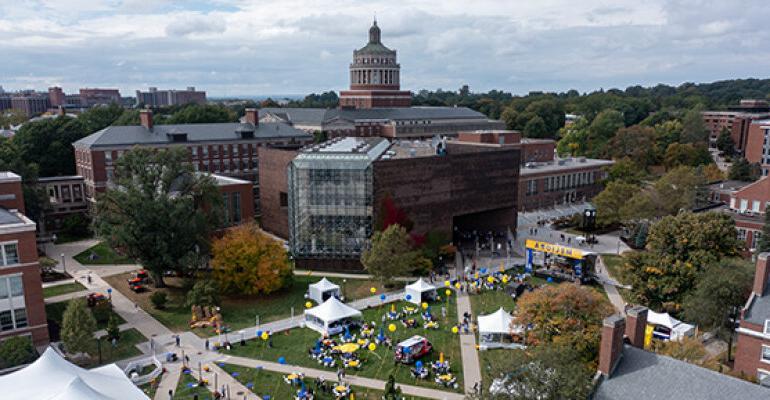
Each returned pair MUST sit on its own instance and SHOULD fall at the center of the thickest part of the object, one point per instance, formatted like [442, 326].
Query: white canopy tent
[672, 328]
[420, 290]
[322, 290]
[496, 330]
[51, 377]
[330, 317]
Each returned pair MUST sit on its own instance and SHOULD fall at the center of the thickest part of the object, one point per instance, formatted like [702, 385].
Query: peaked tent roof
[324, 285]
[421, 286]
[51, 377]
[497, 322]
[333, 310]
[662, 319]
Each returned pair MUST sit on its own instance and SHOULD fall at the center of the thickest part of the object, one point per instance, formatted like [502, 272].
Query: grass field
[124, 348]
[187, 388]
[104, 256]
[151, 387]
[490, 301]
[55, 312]
[238, 311]
[613, 262]
[62, 289]
[294, 344]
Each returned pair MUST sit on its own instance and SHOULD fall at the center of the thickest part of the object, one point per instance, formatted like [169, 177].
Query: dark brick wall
[273, 182]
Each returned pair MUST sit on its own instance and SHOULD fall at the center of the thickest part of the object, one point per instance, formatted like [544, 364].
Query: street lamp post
[99, 346]
[63, 263]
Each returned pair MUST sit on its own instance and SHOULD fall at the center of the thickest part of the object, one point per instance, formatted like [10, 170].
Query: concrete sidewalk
[612, 291]
[471, 365]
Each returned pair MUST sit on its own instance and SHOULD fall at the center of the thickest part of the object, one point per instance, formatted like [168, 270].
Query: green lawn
[124, 348]
[488, 358]
[151, 387]
[55, 312]
[187, 387]
[294, 344]
[62, 289]
[263, 382]
[490, 301]
[239, 312]
[613, 262]
[104, 256]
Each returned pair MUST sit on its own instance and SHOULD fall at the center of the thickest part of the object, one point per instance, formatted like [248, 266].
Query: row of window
[562, 182]
[213, 167]
[743, 234]
[247, 149]
[231, 203]
[742, 205]
[66, 193]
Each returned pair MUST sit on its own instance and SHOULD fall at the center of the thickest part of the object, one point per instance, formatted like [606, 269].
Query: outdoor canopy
[678, 328]
[495, 330]
[416, 290]
[51, 377]
[319, 318]
[322, 290]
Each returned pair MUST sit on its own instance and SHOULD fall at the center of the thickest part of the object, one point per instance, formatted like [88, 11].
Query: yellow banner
[648, 336]
[560, 250]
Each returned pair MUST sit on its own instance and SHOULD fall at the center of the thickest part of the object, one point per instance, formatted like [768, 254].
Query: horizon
[233, 48]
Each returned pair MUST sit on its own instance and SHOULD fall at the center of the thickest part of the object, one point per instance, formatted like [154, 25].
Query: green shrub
[159, 299]
[17, 350]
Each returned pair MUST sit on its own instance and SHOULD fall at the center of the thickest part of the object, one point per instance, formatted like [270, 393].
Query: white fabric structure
[51, 377]
[322, 290]
[419, 290]
[677, 329]
[330, 317]
[495, 330]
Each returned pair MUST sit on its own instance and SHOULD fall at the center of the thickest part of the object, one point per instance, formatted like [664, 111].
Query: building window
[284, 199]
[108, 156]
[225, 209]
[744, 205]
[10, 254]
[13, 315]
[755, 206]
[65, 194]
[765, 357]
[236, 198]
[77, 193]
[741, 234]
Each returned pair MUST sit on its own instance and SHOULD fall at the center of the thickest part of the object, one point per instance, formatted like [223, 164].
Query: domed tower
[375, 77]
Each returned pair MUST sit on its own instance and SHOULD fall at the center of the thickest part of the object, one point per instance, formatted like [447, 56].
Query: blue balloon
[235, 374]
[281, 360]
[549, 279]
[190, 385]
[259, 334]
[409, 297]
[483, 270]
[221, 364]
[418, 364]
[249, 385]
[382, 297]
[266, 397]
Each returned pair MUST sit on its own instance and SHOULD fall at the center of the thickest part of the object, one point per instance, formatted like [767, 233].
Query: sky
[256, 48]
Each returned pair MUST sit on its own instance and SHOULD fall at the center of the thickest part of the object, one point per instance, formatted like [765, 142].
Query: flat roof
[564, 164]
[60, 178]
[409, 149]
[8, 176]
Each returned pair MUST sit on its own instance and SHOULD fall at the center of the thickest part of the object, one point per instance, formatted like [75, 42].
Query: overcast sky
[239, 47]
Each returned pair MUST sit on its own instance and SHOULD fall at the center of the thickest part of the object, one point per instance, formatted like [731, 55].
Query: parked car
[412, 349]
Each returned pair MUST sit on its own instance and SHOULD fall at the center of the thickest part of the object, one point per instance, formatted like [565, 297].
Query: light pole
[63, 264]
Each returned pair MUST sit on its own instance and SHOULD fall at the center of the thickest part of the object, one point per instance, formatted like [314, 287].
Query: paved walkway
[332, 376]
[470, 355]
[612, 291]
[66, 297]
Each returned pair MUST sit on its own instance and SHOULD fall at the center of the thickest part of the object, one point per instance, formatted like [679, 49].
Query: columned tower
[375, 77]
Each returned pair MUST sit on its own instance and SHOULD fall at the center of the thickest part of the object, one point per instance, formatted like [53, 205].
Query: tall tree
[247, 261]
[725, 142]
[160, 212]
[78, 327]
[16, 350]
[611, 203]
[721, 292]
[693, 128]
[741, 170]
[635, 142]
[536, 128]
[602, 130]
[567, 314]
[390, 254]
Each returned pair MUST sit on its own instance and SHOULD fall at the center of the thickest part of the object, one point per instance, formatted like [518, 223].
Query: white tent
[51, 377]
[330, 317]
[495, 330]
[673, 329]
[419, 291]
[322, 290]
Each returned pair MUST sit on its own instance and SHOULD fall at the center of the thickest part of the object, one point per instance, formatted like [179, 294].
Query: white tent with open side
[331, 316]
[497, 330]
[51, 377]
[323, 290]
[420, 291]
[666, 327]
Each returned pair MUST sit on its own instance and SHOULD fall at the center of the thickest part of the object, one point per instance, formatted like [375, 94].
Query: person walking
[207, 344]
[339, 374]
[170, 393]
[178, 340]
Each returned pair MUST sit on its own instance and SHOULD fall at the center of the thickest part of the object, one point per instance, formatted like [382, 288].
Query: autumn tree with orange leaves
[247, 261]
[566, 314]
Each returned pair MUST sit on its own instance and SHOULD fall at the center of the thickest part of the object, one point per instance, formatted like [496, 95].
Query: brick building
[22, 311]
[337, 193]
[56, 96]
[31, 103]
[228, 149]
[90, 97]
[752, 354]
[745, 202]
[159, 98]
[737, 120]
[66, 197]
[375, 77]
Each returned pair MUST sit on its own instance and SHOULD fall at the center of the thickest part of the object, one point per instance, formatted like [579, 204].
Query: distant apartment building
[22, 311]
[56, 96]
[31, 103]
[736, 120]
[228, 149]
[159, 98]
[758, 144]
[90, 97]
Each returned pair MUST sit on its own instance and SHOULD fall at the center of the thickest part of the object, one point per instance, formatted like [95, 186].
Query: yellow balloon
[308, 304]
[454, 329]
[457, 285]
[424, 305]
[505, 279]
[373, 290]
[490, 279]
[447, 283]
[392, 327]
[448, 292]
[265, 336]
[372, 346]
[476, 275]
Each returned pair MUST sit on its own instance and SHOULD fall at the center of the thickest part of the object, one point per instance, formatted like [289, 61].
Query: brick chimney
[636, 323]
[761, 274]
[145, 117]
[611, 347]
[252, 116]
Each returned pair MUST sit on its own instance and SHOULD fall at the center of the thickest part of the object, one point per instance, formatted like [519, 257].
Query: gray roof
[7, 217]
[137, 134]
[374, 48]
[318, 116]
[567, 164]
[641, 374]
[759, 309]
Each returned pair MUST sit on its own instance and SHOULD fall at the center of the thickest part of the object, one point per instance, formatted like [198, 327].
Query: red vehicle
[412, 349]
[138, 281]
